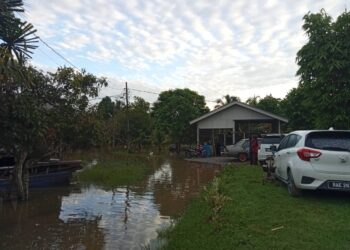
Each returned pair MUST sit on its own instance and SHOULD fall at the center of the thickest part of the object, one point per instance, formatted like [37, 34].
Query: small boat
[43, 174]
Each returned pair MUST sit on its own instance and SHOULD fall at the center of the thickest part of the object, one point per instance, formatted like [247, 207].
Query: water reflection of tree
[36, 225]
[172, 194]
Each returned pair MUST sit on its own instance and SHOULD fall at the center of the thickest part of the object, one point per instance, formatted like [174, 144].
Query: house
[235, 121]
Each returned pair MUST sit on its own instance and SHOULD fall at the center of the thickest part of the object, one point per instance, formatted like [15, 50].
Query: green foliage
[324, 63]
[226, 99]
[253, 101]
[106, 108]
[213, 196]
[295, 107]
[118, 172]
[268, 103]
[52, 110]
[112, 122]
[17, 38]
[173, 111]
[257, 209]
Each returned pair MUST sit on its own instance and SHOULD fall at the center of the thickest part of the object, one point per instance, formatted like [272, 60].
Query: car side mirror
[273, 148]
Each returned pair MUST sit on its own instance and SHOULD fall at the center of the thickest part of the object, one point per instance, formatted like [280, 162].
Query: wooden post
[279, 126]
[234, 133]
[197, 135]
[213, 142]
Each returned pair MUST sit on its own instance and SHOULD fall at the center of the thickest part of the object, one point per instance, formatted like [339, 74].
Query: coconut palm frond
[11, 6]
[226, 99]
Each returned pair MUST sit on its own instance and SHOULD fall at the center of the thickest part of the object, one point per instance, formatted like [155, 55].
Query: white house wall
[224, 119]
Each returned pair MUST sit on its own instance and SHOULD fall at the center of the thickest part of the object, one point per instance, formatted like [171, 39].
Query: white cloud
[223, 47]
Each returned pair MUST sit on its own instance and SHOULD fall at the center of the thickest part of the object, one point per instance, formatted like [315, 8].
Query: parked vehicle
[239, 150]
[314, 159]
[266, 142]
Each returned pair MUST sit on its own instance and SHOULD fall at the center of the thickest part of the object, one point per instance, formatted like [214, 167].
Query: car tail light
[306, 154]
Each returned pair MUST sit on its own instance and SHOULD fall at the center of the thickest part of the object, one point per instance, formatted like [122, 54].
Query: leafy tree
[108, 113]
[22, 123]
[106, 108]
[70, 91]
[295, 107]
[226, 99]
[270, 104]
[253, 101]
[173, 111]
[49, 112]
[140, 123]
[17, 40]
[324, 63]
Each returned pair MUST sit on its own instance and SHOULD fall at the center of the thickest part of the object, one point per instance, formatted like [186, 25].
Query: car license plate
[339, 185]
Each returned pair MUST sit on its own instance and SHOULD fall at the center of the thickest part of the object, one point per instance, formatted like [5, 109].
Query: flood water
[90, 217]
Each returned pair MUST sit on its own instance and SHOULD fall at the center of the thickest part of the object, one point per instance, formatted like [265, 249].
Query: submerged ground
[120, 202]
[123, 201]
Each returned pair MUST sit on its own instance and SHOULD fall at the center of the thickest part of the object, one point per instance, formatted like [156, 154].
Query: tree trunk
[178, 148]
[21, 189]
[27, 165]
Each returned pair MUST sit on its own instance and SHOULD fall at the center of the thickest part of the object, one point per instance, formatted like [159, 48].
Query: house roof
[243, 105]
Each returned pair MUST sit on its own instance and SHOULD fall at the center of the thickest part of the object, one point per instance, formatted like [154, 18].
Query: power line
[51, 48]
[145, 91]
[57, 53]
[48, 56]
[114, 88]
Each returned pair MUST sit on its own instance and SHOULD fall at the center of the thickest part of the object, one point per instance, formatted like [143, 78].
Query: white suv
[267, 141]
[314, 159]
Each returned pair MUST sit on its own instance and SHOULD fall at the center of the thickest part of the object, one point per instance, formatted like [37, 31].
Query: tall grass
[262, 216]
[118, 169]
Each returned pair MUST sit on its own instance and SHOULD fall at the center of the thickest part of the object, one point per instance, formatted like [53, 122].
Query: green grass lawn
[120, 170]
[317, 220]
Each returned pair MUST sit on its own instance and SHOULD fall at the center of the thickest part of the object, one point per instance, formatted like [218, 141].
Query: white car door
[280, 160]
[287, 153]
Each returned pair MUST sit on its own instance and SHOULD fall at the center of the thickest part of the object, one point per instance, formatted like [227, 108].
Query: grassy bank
[257, 216]
[119, 170]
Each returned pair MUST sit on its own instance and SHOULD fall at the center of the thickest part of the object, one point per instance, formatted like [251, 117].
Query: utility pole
[127, 116]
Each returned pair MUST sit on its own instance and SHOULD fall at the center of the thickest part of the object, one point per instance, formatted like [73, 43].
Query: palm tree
[17, 38]
[17, 42]
[226, 99]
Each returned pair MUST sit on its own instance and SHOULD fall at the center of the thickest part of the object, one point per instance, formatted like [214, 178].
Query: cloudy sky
[237, 47]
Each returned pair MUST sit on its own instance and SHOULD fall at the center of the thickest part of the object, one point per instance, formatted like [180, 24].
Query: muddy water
[90, 217]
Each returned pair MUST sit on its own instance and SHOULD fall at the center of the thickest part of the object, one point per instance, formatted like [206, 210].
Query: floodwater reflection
[95, 218]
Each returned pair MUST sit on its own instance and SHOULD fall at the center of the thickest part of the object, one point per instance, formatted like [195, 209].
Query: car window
[292, 141]
[329, 140]
[271, 140]
[240, 142]
[283, 143]
[245, 144]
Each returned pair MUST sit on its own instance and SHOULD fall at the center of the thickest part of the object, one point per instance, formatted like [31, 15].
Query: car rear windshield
[335, 141]
[271, 140]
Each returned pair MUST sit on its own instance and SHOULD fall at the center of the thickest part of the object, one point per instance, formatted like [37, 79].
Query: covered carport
[235, 121]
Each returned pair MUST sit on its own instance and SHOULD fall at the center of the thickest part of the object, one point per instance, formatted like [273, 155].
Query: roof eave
[242, 105]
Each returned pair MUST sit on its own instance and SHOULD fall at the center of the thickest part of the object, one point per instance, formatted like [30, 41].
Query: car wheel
[242, 157]
[292, 189]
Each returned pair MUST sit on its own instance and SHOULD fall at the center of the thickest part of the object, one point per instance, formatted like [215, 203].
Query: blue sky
[242, 47]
